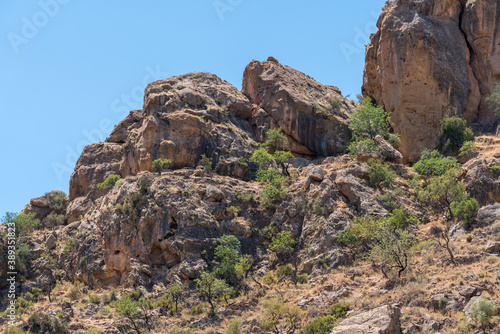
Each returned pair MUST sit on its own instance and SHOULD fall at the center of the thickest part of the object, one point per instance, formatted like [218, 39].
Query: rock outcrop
[429, 59]
[284, 97]
[382, 320]
[183, 118]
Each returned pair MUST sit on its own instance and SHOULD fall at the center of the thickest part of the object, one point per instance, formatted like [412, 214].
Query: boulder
[482, 182]
[387, 151]
[492, 247]
[286, 98]
[382, 320]
[488, 215]
[430, 59]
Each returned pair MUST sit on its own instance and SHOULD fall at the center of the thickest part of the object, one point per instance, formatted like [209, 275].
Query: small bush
[338, 310]
[401, 218]
[53, 220]
[467, 148]
[196, 309]
[234, 327]
[494, 99]
[109, 182]
[161, 164]
[56, 200]
[69, 245]
[381, 175]
[268, 279]
[41, 323]
[433, 163]
[75, 291]
[495, 168]
[302, 279]
[94, 299]
[319, 325]
[363, 147]
[465, 210]
[285, 272]
[206, 162]
[335, 105]
[13, 330]
[482, 310]
[454, 132]
[233, 211]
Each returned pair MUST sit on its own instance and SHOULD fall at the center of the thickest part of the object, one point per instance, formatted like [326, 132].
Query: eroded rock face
[284, 97]
[430, 59]
[183, 118]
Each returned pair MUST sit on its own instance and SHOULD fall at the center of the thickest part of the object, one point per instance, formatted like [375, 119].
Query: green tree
[109, 182]
[271, 157]
[210, 289]
[482, 310]
[23, 223]
[465, 210]
[176, 292]
[494, 99]
[129, 308]
[368, 121]
[228, 254]
[283, 245]
[393, 248]
[160, 165]
[282, 318]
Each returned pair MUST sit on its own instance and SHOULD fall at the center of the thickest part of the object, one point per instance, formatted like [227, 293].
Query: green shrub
[109, 182]
[381, 175]
[368, 121]
[69, 245]
[283, 245]
[494, 168]
[363, 147]
[24, 223]
[339, 310]
[41, 323]
[196, 309]
[401, 218]
[454, 132]
[494, 99]
[319, 325]
[302, 279]
[94, 299]
[467, 148]
[233, 211]
[285, 272]
[433, 163]
[335, 105]
[13, 330]
[268, 279]
[206, 162]
[161, 164]
[482, 310]
[56, 200]
[75, 291]
[53, 220]
[465, 210]
[234, 327]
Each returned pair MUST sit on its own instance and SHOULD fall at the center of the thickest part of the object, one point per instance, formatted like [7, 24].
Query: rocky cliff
[430, 59]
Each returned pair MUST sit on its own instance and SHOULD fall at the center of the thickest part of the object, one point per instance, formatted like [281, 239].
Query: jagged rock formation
[190, 115]
[183, 118]
[284, 97]
[430, 59]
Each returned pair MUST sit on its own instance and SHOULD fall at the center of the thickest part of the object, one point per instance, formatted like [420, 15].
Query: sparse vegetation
[109, 182]
[160, 165]
[454, 132]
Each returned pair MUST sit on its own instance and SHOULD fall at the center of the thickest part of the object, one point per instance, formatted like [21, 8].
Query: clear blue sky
[71, 69]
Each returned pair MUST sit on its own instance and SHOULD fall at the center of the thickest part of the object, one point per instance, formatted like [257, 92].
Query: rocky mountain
[263, 220]
[430, 59]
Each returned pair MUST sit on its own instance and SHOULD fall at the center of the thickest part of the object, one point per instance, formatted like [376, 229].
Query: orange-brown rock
[429, 59]
[284, 97]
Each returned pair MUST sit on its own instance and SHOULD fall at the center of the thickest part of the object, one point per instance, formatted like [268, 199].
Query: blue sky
[70, 70]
